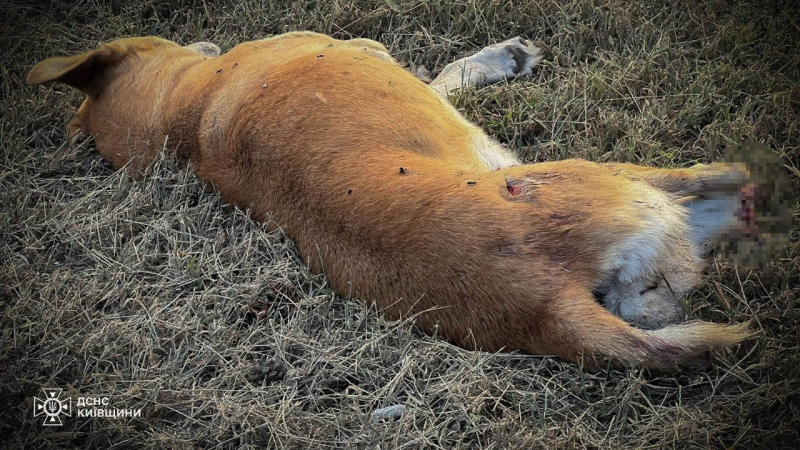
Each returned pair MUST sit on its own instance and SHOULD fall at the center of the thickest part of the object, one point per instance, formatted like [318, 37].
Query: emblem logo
[52, 407]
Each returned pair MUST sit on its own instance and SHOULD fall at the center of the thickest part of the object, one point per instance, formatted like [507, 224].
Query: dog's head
[97, 72]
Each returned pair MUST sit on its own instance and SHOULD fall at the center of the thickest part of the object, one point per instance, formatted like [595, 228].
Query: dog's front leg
[512, 58]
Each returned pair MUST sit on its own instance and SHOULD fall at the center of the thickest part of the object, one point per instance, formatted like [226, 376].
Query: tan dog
[400, 201]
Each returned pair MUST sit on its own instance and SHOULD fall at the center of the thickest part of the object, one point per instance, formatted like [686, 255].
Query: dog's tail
[586, 330]
[683, 344]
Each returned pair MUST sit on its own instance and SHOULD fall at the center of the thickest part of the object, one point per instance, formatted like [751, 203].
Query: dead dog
[403, 202]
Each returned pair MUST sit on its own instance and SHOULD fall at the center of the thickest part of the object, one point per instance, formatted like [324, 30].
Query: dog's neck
[182, 105]
[141, 112]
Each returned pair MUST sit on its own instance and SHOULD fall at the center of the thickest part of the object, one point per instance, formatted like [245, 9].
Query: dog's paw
[509, 59]
[205, 49]
[512, 58]
[421, 72]
[718, 178]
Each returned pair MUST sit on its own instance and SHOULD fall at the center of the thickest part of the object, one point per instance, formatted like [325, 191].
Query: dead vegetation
[155, 294]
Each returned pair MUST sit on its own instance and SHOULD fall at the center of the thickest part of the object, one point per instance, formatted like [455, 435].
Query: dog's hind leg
[712, 200]
[699, 179]
[742, 205]
[719, 198]
[512, 58]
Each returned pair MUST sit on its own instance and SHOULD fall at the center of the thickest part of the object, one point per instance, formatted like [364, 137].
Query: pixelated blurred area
[768, 202]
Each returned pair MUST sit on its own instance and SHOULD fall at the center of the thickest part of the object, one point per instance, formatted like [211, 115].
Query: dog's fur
[400, 201]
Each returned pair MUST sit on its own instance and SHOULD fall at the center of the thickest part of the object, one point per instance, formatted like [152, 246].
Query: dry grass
[153, 293]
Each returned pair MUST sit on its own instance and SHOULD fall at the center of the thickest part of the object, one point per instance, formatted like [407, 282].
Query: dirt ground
[156, 296]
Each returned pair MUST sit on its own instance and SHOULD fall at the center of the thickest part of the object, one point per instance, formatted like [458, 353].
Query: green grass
[154, 293]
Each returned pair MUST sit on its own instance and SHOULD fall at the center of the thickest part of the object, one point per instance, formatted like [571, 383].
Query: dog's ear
[87, 72]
